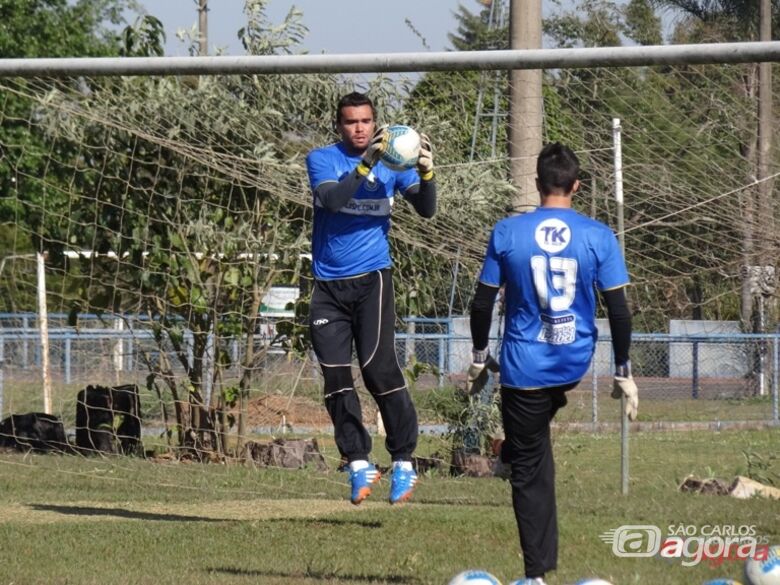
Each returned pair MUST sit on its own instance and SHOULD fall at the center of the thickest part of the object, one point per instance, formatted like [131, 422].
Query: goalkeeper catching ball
[352, 300]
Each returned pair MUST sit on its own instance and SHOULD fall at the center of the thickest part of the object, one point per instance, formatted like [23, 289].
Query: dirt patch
[298, 411]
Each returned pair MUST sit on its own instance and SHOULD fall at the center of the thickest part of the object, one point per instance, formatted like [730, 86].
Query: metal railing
[681, 377]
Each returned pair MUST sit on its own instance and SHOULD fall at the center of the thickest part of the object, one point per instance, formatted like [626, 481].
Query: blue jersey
[550, 260]
[353, 240]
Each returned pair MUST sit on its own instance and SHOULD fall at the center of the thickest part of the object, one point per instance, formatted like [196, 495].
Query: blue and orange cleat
[402, 484]
[361, 482]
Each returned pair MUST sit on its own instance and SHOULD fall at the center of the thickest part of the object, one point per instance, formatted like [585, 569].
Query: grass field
[66, 519]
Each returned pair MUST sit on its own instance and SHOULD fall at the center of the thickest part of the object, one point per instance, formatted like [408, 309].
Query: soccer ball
[403, 148]
[764, 572]
[592, 582]
[722, 582]
[474, 577]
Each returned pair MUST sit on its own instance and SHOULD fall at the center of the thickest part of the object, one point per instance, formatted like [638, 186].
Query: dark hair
[354, 99]
[557, 168]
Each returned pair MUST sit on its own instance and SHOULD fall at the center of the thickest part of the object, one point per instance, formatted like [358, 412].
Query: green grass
[121, 521]
[580, 410]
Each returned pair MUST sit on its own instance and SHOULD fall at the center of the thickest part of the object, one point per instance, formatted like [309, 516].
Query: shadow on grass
[325, 576]
[461, 502]
[135, 515]
[122, 513]
[329, 521]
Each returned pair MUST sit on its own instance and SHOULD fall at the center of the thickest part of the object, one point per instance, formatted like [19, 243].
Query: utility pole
[764, 288]
[203, 28]
[525, 104]
[765, 132]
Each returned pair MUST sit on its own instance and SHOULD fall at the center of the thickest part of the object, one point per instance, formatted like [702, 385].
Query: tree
[47, 28]
[700, 135]
[738, 20]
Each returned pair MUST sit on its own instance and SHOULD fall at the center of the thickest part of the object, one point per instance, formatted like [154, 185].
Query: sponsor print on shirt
[560, 330]
[553, 235]
[379, 207]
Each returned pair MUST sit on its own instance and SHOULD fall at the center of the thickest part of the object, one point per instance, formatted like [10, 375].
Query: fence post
[67, 357]
[119, 351]
[441, 363]
[594, 416]
[2, 373]
[776, 366]
[25, 345]
[130, 365]
[695, 373]
[410, 351]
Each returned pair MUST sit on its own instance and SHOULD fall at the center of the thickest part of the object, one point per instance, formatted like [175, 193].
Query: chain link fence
[682, 378]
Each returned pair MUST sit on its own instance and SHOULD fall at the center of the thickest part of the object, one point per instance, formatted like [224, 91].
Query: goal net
[174, 215]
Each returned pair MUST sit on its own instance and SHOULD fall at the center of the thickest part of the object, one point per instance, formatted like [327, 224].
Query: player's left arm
[620, 326]
[422, 196]
[612, 280]
[421, 193]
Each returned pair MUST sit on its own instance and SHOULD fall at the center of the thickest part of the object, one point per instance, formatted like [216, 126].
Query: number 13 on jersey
[563, 275]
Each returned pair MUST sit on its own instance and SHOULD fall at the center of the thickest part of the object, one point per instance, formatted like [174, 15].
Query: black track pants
[362, 309]
[526, 416]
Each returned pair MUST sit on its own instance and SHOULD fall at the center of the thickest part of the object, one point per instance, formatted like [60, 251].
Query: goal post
[193, 200]
[704, 53]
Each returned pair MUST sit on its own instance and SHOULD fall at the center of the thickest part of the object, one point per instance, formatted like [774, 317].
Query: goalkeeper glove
[624, 386]
[477, 375]
[374, 150]
[425, 161]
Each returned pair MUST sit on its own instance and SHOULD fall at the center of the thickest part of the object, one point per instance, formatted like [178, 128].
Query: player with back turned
[352, 299]
[551, 261]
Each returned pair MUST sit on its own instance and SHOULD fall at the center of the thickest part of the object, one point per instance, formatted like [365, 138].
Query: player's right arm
[333, 193]
[490, 280]
[480, 318]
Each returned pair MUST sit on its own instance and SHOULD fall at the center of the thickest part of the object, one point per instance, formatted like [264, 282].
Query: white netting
[171, 206]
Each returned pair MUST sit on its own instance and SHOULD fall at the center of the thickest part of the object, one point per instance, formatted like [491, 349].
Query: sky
[335, 26]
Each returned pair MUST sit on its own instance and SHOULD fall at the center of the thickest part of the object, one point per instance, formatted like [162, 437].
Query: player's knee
[381, 381]
[337, 380]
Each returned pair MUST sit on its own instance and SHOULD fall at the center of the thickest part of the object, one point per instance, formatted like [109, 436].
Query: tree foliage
[51, 28]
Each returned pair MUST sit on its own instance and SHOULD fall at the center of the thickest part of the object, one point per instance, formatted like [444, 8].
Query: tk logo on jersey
[552, 235]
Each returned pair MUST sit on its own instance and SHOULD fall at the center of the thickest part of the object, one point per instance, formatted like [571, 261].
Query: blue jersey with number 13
[550, 260]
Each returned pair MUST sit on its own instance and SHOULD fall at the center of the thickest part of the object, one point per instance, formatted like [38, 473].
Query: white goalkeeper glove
[425, 161]
[374, 150]
[624, 385]
[477, 375]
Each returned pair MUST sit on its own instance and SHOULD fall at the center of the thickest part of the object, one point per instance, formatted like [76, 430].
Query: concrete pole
[525, 104]
[766, 223]
[203, 28]
[43, 327]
